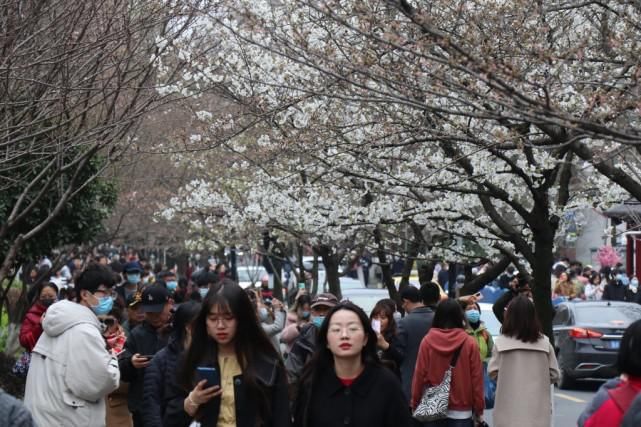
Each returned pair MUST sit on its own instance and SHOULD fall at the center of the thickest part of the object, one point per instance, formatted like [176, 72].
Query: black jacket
[373, 400]
[411, 330]
[618, 292]
[500, 304]
[158, 377]
[144, 340]
[301, 352]
[270, 376]
[392, 357]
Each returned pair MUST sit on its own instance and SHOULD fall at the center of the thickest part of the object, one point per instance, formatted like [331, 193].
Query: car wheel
[566, 382]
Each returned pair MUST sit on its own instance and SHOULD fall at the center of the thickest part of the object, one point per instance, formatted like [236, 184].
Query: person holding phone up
[231, 375]
[144, 341]
[383, 323]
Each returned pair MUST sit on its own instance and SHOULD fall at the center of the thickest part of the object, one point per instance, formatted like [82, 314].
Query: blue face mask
[203, 292]
[318, 321]
[105, 304]
[172, 285]
[305, 315]
[473, 316]
[134, 279]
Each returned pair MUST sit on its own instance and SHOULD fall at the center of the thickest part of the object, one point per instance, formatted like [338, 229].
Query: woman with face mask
[271, 315]
[31, 328]
[298, 316]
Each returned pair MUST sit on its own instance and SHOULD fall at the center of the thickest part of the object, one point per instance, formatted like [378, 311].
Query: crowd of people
[123, 348]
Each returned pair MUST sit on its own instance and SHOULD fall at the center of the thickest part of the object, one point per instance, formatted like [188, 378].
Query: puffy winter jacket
[31, 328]
[158, 377]
[71, 369]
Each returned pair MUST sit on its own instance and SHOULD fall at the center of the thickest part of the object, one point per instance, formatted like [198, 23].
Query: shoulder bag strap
[457, 353]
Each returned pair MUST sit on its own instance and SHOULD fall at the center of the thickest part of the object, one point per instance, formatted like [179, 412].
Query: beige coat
[524, 372]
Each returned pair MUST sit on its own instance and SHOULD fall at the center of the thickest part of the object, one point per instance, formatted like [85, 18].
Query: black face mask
[47, 301]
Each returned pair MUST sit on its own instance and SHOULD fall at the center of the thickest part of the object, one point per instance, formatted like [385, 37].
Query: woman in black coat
[162, 369]
[345, 384]
[251, 388]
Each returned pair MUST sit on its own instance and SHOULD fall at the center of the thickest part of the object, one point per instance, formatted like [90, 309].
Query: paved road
[568, 404]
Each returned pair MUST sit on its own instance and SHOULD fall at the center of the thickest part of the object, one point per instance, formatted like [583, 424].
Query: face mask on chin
[318, 321]
[203, 292]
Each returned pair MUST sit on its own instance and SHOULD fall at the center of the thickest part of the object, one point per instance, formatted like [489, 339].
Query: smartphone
[376, 325]
[210, 374]
[147, 356]
[478, 295]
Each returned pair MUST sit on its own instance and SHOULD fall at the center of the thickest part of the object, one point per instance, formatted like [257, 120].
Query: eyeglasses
[108, 293]
[224, 319]
[351, 330]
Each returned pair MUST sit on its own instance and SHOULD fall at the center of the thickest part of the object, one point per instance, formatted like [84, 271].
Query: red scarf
[116, 341]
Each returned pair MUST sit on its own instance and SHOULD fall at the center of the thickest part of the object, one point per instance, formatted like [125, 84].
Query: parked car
[587, 337]
[365, 298]
[250, 275]
[491, 322]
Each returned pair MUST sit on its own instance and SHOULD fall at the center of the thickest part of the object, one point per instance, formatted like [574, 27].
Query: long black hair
[629, 357]
[323, 360]
[183, 317]
[250, 342]
[449, 315]
[386, 307]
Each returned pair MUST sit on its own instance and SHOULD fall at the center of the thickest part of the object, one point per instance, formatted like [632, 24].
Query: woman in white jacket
[71, 370]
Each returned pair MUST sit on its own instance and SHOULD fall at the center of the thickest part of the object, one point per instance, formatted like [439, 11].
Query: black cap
[411, 294]
[134, 299]
[154, 299]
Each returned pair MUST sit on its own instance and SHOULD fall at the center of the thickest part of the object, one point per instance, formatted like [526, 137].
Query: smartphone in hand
[210, 374]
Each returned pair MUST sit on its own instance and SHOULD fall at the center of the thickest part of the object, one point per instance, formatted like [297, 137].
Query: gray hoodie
[71, 369]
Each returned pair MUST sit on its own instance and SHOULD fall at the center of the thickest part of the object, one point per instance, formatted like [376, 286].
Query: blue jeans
[449, 422]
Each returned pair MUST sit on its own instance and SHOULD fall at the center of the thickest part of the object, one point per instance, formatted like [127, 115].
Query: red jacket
[434, 357]
[31, 328]
[611, 413]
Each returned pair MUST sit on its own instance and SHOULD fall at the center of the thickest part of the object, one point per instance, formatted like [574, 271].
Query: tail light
[584, 333]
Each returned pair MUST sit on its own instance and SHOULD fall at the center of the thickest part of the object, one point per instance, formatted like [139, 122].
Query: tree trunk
[541, 283]
[478, 282]
[386, 268]
[331, 262]
[315, 273]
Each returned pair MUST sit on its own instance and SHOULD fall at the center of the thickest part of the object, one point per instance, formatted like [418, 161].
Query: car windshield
[615, 315]
[249, 274]
[491, 322]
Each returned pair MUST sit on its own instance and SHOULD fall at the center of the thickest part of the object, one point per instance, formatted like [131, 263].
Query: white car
[491, 322]
[250, 275]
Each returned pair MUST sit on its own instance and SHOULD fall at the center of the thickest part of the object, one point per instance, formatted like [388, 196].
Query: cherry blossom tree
[481, 123]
